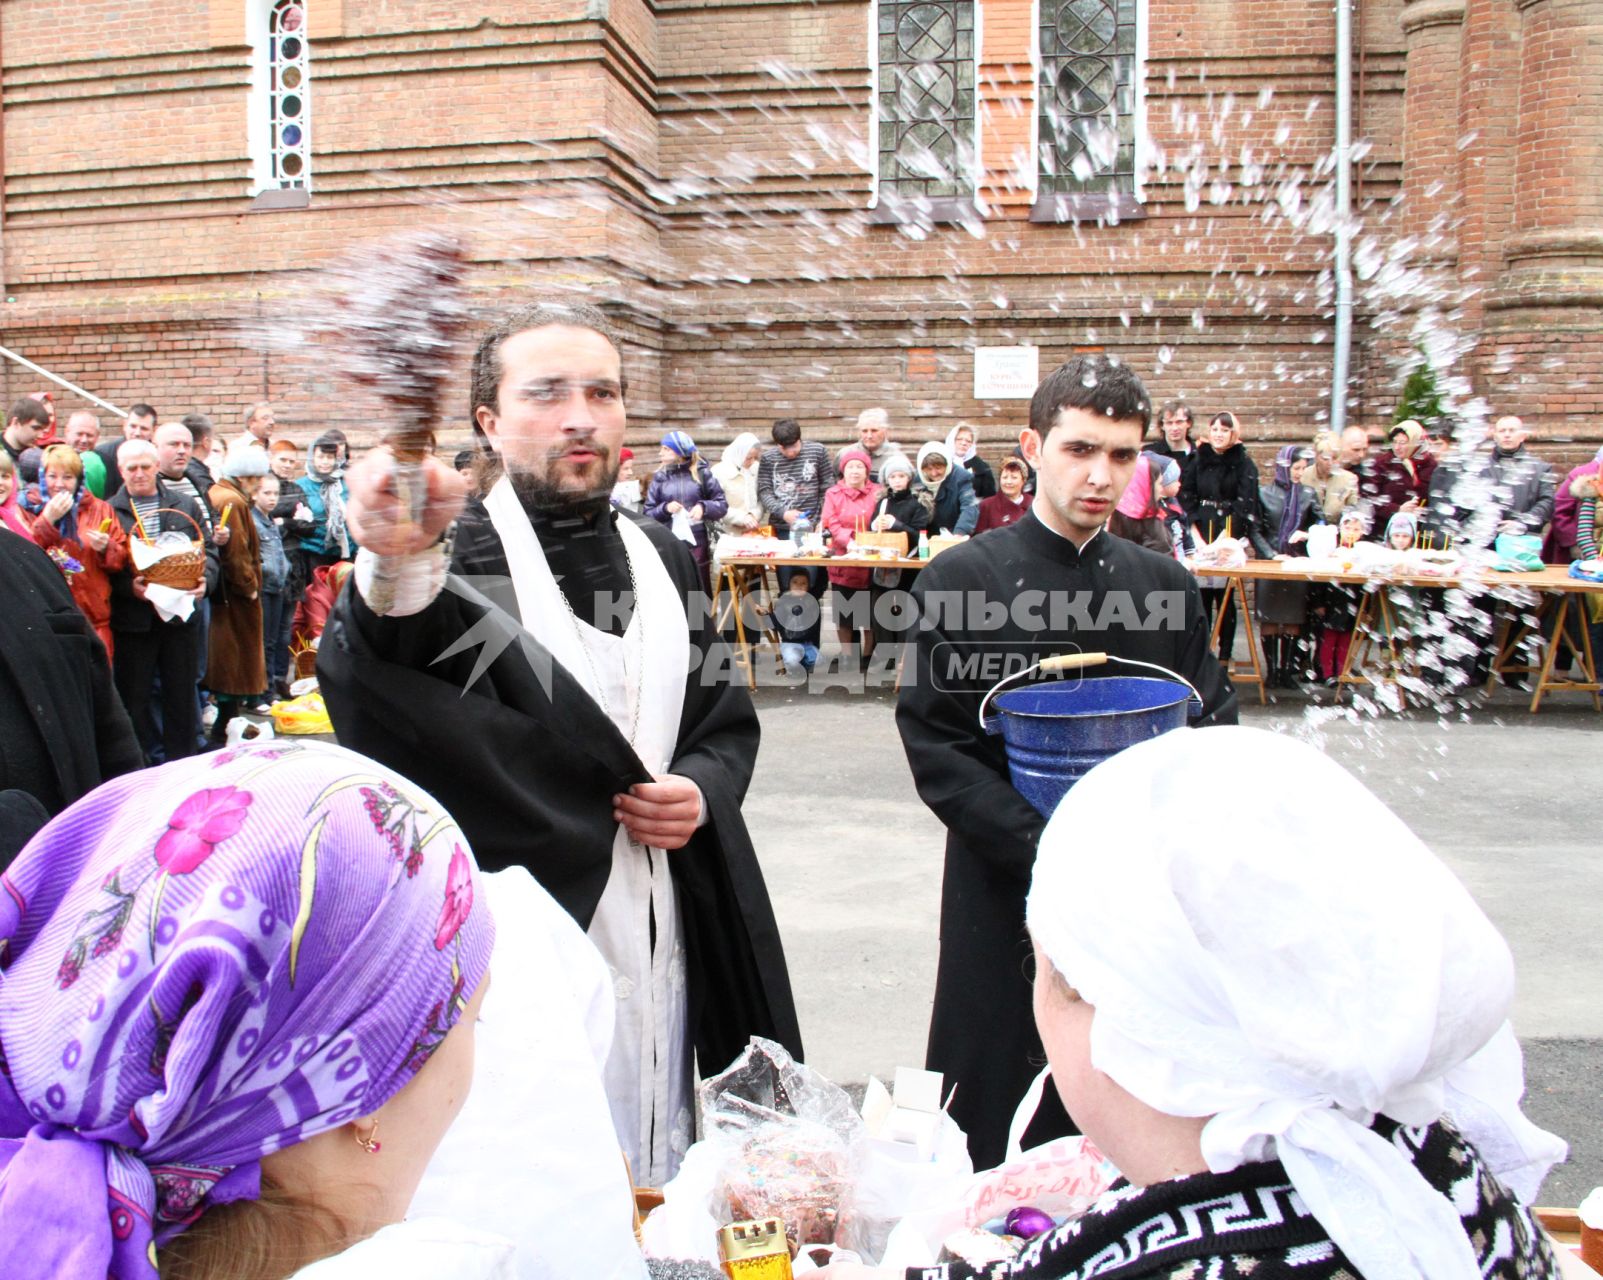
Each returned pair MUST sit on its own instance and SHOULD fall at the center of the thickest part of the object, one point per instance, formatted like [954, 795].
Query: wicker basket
[184, 572]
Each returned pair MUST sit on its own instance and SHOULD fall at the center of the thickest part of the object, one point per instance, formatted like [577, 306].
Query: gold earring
[369, 1144]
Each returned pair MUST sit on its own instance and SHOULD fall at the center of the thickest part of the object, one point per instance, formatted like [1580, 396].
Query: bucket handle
[1077, 662]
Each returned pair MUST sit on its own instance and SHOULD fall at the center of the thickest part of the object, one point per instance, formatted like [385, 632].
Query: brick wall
[703, 170]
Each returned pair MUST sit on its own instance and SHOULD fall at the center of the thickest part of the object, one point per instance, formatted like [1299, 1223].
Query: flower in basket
[66, 563]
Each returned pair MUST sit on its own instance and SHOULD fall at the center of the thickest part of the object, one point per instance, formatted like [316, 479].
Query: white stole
[648, 1072]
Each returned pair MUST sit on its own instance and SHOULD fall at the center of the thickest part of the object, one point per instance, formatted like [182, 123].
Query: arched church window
[926, 98]
[288, 95]
[1087, 96]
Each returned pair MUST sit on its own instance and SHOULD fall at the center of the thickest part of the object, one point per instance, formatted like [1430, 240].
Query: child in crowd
[275, 582]
[1166, 496]
[799, 621]
[626, 490]
[1335, 607]
[1402, 531]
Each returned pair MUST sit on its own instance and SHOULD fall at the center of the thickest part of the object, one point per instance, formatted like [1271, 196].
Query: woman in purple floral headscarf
[219, 981]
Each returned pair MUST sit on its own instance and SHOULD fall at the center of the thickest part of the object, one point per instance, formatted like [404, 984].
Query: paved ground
[1509, 800]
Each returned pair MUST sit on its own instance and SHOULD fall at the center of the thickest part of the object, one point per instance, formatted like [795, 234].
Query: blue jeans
[276, 653]
[794, 656]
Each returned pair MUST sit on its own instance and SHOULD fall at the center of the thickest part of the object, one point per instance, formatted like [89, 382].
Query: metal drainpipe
[1342, 362]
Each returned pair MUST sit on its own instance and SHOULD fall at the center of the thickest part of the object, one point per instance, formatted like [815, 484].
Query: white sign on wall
[1006, 373]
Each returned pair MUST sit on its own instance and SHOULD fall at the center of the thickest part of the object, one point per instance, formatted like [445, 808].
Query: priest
[545, 665]
[1053, 582]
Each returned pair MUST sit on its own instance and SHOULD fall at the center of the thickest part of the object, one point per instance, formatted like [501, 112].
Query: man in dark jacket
[1508, 485]
[1053, 582]
[62, 729]
[149, 644]
[26, 422]
[139, 425]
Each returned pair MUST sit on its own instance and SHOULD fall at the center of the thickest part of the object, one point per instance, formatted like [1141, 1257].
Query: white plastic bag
[1064, 1178]
[890, 1187]
[681, 527]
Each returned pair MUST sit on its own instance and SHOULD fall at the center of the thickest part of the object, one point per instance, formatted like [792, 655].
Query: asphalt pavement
[1509, 800]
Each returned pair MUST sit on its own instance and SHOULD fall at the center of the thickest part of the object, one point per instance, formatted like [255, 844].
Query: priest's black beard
[538, 496]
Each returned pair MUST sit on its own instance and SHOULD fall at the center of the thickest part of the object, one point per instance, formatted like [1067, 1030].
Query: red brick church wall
[698, 167]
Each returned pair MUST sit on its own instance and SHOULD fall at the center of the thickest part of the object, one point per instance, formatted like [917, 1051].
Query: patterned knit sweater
[1252, 1223]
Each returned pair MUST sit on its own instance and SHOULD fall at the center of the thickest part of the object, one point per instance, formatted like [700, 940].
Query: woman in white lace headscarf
[737, 472]
[1298, 1054]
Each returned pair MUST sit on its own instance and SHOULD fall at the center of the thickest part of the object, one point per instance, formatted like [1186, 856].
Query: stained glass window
[287, 98]
[926, 97]
[1087, 96]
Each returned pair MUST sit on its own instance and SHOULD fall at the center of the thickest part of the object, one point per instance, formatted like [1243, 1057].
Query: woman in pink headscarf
[849, 508]
[11, 513]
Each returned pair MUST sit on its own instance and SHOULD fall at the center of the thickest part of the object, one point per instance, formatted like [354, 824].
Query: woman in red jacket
[79, 532]
[849, 506]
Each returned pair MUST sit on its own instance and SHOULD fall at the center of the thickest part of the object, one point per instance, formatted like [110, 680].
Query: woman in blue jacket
[324, 537]
[685, 484]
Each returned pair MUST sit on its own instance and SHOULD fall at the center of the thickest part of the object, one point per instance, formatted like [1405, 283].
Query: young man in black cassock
[603, 745]
[1054, 582]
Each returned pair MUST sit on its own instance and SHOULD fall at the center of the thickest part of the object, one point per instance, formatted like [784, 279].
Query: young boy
[799, 622]
[275, 582]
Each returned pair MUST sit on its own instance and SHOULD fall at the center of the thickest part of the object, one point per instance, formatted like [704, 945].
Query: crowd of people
[1188, 490]
[242, 991]
[258, 528]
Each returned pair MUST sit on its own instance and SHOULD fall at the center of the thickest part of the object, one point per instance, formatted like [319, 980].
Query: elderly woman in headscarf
[1290, 508]
[1296, 1051]
[961, 444]
[956, 508]
[685, 496]
[850, 505]
[237, 1014]
[1399, 480]
[736, 473]
[81, 534]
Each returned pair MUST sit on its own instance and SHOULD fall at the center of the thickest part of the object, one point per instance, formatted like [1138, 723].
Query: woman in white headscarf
[962, 443]
[1298, 1055]
[737, 472]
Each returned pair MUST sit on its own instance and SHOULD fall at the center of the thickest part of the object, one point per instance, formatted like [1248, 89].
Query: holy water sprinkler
[400, 306]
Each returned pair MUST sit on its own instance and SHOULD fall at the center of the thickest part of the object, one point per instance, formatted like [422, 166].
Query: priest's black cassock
[1113, 596]
[528, 763]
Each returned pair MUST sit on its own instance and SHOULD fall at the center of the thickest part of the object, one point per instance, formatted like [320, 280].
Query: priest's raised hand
[376, 515]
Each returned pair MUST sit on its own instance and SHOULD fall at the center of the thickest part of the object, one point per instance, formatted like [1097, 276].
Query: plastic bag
[890, 1187]
[1063, 1178]
[778, 1140]
[791, 1143]
[305, 714]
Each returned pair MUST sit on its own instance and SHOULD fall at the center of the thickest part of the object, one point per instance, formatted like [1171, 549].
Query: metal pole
[1342, 361]
[62, 382]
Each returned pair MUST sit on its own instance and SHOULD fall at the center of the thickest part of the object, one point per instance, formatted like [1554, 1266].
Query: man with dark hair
[596, 737]
[140, 424]
[1053, 582]
[27, 420]
[792, 477]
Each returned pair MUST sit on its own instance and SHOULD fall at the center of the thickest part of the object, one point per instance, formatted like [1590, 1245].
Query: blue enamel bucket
[1056, 733]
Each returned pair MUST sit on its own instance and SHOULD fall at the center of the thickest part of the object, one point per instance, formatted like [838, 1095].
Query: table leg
[1218, 624]
[1545, 682]
[1588, 658]
[1240, 590]
[1388, 625]
[1358, 648]
[737, 601]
